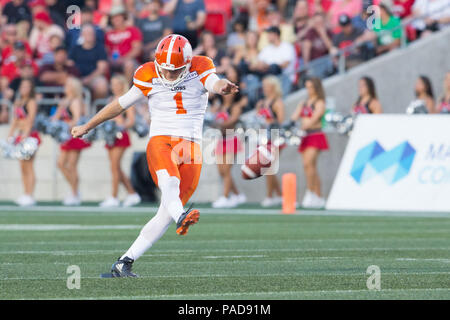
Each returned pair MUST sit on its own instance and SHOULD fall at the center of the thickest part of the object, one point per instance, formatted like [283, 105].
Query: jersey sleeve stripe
[207, 72]
[145, 90]
[142, 83]
[205, 75]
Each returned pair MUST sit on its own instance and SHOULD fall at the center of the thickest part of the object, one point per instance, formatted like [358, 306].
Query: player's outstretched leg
[170, 199]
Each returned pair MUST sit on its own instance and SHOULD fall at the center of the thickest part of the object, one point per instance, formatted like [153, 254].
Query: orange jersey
[177, 111]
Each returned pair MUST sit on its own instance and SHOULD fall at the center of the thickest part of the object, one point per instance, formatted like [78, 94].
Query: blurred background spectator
[16, 69]
[9, 37]
[339, 7]
[275, 19]
[91, 59]
[50, 6]
[277, 58]
[316, 44]
[73, 34]
[208, 47]
[188, 18]
[348, 37]
[15, 11]
[58, 71]
[153, 27]
[123, 43]
[42, 32]
[431, 15]
[387, 28]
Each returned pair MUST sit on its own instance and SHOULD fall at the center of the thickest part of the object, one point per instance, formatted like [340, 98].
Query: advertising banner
[395, 163]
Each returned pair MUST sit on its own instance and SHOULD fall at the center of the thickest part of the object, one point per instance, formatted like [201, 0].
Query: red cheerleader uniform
[315, 138]
[360, 108]
[269, 114]
[22, 113]
[72, 143]
[227, 144]
[122, 141]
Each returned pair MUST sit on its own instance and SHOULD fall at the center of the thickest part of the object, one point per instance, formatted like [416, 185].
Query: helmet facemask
[172, 83]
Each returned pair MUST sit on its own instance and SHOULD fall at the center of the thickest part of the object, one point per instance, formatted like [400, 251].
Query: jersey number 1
[179, 101]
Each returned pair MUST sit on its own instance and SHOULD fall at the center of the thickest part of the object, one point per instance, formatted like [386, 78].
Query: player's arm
[220, 86]
[110, 111]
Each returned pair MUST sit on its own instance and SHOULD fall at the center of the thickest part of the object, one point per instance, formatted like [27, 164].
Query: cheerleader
[70, 110]
[310, 113]
[119, 86]
[271, 107]
[229, 145]
[424, 93]
[24, 113]
[367, 101]
[443, 105]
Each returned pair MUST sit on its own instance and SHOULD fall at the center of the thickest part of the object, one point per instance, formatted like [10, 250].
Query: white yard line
[58, 227]
[303, 241]
[299, 212]
[199, 251]
[424, 259]
[231, 257]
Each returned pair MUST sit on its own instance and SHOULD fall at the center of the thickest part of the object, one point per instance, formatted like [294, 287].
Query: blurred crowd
[93, 40]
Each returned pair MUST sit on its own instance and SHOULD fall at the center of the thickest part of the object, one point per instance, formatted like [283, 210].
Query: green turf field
[247, 253]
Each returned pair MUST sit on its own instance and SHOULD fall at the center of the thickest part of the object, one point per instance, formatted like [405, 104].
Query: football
[257, 163]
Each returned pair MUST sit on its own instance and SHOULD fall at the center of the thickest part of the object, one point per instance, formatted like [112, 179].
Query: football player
[176, 85]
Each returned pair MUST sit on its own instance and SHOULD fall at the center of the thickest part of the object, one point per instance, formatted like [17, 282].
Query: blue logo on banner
[392, 165]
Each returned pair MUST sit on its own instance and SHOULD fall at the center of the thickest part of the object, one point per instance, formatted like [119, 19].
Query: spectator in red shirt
[50, 7]
[123, 43]
[319, 6]
[12, 73]
[41, 33]
[403, 8]
[9, 37]
[13, 69]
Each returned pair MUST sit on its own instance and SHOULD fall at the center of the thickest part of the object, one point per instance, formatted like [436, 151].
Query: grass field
[246, 253]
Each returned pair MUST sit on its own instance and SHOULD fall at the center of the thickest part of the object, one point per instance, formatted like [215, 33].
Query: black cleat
[188, 218]
[122, 268]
